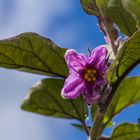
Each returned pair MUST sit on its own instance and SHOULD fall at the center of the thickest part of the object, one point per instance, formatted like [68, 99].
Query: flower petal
[73, 86]
[92, 93]
[98, 57]
[92, 99]
[75, 61]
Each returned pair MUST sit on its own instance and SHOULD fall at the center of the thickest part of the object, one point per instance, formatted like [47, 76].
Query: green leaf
[125, 131]
[80, 127]
[114, 10]
[89, 7]
[93, 111]
[109, 124]
[32, 53]
[44, 98]
[121, 17]
[127, 94]
[117, 13]
[128, 57]
[133, 6]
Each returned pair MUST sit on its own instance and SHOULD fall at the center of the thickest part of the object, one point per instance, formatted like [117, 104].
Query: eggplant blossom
[86, 74]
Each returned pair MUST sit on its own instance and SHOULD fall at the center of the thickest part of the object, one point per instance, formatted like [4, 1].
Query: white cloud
[18, 16]
[29, 15]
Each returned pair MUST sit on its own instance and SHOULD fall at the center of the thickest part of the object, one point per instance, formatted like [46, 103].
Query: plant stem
[111, 34]
[85, 127]
[107, 26]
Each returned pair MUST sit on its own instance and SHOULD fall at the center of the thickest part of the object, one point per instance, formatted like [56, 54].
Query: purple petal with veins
[86, 74]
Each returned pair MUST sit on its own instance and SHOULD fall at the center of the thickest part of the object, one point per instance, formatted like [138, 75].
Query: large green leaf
[125, 131]
[121, 17]
[44, 98]
[117, 13]
[128, 57]
[114, 10]
[89, 7]
[32, 53]
[127, 94]
[133, 6]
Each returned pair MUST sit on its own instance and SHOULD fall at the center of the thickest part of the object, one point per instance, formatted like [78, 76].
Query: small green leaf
[89, 7]
[44, 98]
[127, 94]
[109, 124]
[32, 53]
[80, 127]
[125, 131]
[128, 57]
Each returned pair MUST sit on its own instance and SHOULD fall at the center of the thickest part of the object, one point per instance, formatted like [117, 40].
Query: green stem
[85, 127]
[98, 125]
[107, 26]
[81, 119]
[111, 33]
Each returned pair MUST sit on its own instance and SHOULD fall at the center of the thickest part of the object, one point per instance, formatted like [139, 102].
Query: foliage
[30, 52]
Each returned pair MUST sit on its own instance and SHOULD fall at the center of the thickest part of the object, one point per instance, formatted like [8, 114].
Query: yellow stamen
[86, 77]
[89, 79]
[94, 71]
[94, 78]
[89, 71]
[90, 75]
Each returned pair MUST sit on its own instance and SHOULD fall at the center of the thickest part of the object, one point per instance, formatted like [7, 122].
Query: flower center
[90, 75]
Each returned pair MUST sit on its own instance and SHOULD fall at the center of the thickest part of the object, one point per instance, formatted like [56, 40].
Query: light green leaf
[109, 124]
[125, 131]
[44, 98]
[128, 57]
[127, 94]
[89, 7]
[32, 53]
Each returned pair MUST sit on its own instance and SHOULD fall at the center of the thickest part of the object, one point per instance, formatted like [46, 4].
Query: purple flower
[86, 74]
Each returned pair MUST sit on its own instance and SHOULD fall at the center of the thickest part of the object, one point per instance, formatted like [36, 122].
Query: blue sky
[68, 26]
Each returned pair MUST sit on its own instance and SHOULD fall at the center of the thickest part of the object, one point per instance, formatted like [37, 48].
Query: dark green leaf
[32, 53]
[89, 7]
[127, 94]
[128, 57]
[80, 127]
[44, 98]
[125, 131]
